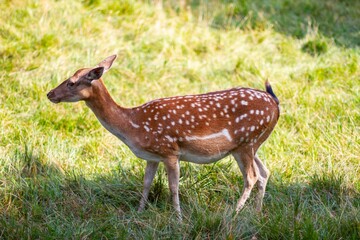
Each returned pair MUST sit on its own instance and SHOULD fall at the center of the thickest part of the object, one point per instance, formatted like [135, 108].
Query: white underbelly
[148, 156]
[199, 159]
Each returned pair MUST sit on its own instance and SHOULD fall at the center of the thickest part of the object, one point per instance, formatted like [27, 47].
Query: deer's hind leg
[250, 171]
[263, 178]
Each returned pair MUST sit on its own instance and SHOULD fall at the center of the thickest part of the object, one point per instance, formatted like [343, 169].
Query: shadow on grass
[322, 208]
[336, 19]
[40, 201]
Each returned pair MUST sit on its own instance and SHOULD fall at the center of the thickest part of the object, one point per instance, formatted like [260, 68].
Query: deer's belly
[206, 150]
[202, 158]
[146, 155]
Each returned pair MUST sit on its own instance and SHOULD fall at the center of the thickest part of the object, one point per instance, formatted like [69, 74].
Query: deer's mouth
[54, 100]
[51, 96]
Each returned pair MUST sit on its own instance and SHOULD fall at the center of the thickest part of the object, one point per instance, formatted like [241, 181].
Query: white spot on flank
[133, 124]
[268, 118]
[169, 138]
[251, 111]
[252, 128]
[147, 128]
[244, 102]
[223, 133]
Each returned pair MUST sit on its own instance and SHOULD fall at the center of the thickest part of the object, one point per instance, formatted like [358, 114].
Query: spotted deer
[200, 128]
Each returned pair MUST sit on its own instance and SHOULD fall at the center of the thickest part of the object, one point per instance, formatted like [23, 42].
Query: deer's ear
[107, 62]
[95, 73]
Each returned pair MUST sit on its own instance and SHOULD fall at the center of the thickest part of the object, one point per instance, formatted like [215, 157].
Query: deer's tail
[271, 92]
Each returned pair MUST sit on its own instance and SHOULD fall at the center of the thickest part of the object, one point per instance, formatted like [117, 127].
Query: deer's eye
[70, 84]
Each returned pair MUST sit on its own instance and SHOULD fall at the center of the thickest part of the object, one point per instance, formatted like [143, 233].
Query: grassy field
[63, 176]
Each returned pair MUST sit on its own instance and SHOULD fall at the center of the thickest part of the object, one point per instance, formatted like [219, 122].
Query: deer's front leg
[173, 170]
[150, 171]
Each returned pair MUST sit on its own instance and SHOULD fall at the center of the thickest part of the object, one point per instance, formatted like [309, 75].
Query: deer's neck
[112, 116]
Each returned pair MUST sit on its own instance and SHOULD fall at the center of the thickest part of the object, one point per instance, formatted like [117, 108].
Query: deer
[201, 129]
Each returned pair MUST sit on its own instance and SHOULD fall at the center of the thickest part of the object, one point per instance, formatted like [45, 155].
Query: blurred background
[62, 175]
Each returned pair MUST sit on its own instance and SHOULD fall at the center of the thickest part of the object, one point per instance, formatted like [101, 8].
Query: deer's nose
[49, 94]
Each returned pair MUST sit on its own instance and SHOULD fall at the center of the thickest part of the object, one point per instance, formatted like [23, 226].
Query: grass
[62, 176]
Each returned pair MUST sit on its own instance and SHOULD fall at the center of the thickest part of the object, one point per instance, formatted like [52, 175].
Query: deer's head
[80, 86]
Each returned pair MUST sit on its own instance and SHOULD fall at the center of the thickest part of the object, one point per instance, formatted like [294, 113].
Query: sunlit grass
[63, 176]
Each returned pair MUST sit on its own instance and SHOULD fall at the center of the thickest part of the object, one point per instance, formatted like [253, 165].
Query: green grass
[62, 176]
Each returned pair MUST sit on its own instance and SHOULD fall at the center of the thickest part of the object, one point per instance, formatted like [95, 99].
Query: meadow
[63, 176]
